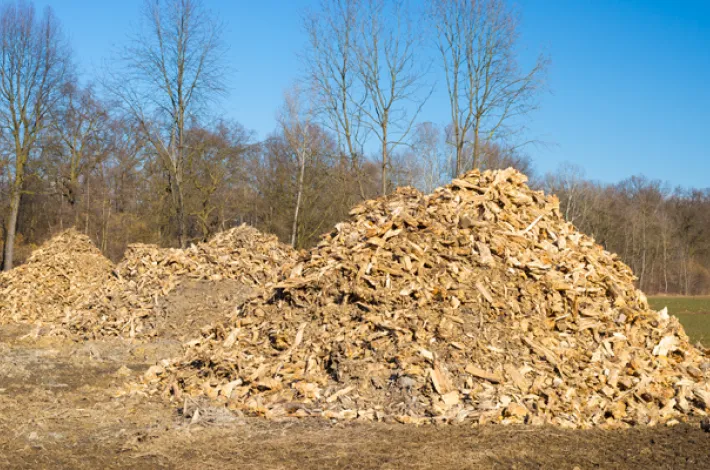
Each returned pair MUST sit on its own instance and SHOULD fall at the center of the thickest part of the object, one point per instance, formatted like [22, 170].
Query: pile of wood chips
[130, 304]
[61, 273]
[477, 303]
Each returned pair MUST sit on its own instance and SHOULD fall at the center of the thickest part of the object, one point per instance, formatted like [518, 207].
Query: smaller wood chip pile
[130, 304]
[61, 273]
[475, 303]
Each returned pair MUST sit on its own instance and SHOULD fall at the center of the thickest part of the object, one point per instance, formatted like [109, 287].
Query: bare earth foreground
[57, 410]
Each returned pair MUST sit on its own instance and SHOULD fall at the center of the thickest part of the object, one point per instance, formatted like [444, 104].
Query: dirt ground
[58, 409]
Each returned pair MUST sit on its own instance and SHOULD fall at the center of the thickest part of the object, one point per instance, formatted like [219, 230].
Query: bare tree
[79, 122]
[215, 171]
[296, 120]
[406, 169]
[172, 68]
[390, 75]
[488, 92]
[567, 183]
[331, 70]
[426, 145]
[34, 60]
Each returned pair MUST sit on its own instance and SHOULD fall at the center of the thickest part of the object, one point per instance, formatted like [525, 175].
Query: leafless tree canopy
[391, 75]
[362, 60]
[78, 140]
[172, 69]
[488, 92]
[331, 70]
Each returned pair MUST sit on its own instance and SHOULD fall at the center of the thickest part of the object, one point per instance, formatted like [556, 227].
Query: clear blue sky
[630, 79]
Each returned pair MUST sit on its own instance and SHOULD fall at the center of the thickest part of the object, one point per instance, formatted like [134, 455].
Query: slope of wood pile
[58, 275]
[130, 304]
[475, 303]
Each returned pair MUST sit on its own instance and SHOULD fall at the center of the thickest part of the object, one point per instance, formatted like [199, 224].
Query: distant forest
[137, 156]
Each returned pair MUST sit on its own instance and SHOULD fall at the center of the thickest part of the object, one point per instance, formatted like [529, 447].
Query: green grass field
[693, 313]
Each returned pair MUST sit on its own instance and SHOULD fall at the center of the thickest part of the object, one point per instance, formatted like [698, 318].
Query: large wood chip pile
[130, 304]
[61, 273]
[475, 303]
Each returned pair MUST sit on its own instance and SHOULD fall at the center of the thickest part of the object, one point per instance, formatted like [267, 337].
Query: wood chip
[482, 374]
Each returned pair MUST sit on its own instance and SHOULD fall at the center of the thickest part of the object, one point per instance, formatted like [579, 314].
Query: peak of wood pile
[475, 303]
[130, 304]
[58, 275]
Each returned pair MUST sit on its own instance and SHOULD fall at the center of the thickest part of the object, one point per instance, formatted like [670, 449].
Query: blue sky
[629, 80]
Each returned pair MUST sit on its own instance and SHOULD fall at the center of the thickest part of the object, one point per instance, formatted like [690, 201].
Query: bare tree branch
[488, 93]
[390, 74]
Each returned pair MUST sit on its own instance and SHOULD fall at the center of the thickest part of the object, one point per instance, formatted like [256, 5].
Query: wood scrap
[129, 303]
[60, 274]
[458, 314]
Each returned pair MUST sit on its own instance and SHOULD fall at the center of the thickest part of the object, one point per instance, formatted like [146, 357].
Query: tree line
[138, 155]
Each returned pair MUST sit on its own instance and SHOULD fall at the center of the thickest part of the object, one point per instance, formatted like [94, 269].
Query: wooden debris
[441, 382]
[60, 274]
[546, 328]
[482, 374]
[515, 410]
[129, 303]
[450, 399]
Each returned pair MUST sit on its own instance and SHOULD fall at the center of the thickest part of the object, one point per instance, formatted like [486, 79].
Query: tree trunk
[74, 189]
[74, 208]
[15, 197]
[384, 172]
[476, 147]
[299, 195]
[9, 251]
[384, 159]
[665, 264]
[105, 218]
[179, 171]
[61, 213]
[459, 156]
[179, 203]
[88, 204]
[73, 200]
[181, 217]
